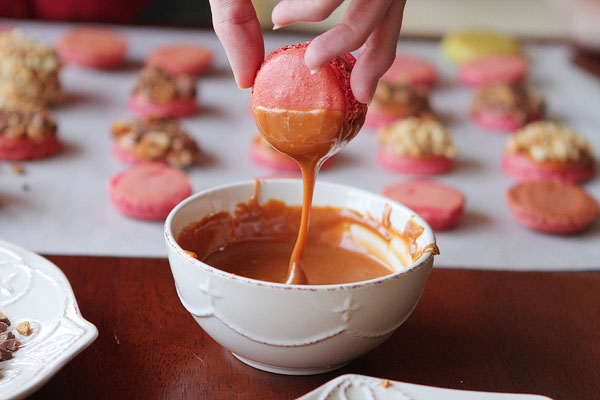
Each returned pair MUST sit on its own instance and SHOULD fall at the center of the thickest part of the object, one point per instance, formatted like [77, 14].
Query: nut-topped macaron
[154, 139]
[160, 94]
[505, 108]
[550, 151]
[393, 102]
[416, 146]
[304, 114]
[27, 132]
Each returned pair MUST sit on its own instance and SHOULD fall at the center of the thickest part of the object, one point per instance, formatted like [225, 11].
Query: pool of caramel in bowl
[257, 239]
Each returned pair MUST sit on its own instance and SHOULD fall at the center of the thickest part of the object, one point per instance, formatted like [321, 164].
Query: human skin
[370, 26]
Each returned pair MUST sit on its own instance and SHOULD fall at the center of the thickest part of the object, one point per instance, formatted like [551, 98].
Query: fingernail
[275, 27]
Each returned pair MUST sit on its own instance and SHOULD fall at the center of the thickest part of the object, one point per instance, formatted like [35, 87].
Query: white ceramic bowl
[294, 329]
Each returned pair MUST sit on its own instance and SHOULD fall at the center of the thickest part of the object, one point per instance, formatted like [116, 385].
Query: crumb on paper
[191, 254]
[17, 168]
[24, 328]
[385, 383]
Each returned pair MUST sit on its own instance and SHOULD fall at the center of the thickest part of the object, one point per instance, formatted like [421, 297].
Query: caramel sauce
[309, 137]
[256, 242]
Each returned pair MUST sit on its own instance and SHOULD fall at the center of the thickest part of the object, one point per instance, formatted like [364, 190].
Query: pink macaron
[440, 205]
[499, 68]
[423, 165]
[180, 59]
[272, 159]
[411, 70]
[502, 107]
[100, 48]
[523, 168]
[148, 191]
[27, 149]
[142, 107]
[552, 207]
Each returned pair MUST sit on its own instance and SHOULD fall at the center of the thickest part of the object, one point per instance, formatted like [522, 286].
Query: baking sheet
[60, 205]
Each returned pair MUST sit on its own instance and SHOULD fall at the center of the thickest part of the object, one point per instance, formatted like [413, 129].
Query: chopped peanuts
[549, 141]
[24, 328]
[416, 137]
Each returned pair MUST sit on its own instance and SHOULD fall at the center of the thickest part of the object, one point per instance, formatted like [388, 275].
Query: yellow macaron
[467, 45]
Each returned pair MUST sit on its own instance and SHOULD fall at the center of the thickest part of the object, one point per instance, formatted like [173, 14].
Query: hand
[371, 26]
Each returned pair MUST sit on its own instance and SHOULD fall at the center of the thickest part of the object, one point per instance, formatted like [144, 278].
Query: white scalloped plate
[34, 289]
[360, 387]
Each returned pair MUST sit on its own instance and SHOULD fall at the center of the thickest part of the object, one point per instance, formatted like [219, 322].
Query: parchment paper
[60, 205]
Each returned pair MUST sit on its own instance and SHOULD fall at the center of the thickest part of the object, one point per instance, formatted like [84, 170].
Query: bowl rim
[172, 243]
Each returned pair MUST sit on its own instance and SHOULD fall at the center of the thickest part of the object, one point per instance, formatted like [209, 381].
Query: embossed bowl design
[295, 329]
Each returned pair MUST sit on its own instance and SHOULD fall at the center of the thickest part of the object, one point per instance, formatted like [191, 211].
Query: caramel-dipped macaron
[287, 98]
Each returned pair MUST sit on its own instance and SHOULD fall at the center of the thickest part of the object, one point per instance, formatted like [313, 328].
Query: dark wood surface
[479, 330]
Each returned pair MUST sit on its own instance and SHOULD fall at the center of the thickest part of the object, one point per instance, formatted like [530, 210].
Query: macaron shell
[411, 70]
[441, 206]
[285, 82]
[376, 119]
[141, 108]
[92, 47]
[552, 207]
[430, 165]
[463, 46]
[266, 158]
[523, 168]
[148, 191]
[181, 59]
[504, 68]
[124, 155]
[26, 149]
[500, 122]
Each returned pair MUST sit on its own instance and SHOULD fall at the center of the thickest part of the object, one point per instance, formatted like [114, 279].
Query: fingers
[360, 19]
[289, 11]
[238, 29]
[377, 54]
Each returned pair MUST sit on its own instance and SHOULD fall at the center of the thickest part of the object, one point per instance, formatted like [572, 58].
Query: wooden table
[479, 330]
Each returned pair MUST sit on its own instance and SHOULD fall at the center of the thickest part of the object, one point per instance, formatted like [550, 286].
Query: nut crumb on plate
[24, 328]
[385, 383]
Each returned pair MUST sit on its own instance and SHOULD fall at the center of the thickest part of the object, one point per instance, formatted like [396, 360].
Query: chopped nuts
[401, 100]
[157, 139]
[516, 100]
[4, 319]
[8, 343]
[385, 383]
[416, 137]
[160, 87]
[26, 121]
[28, 71]
[24, 328]
[549, 141]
